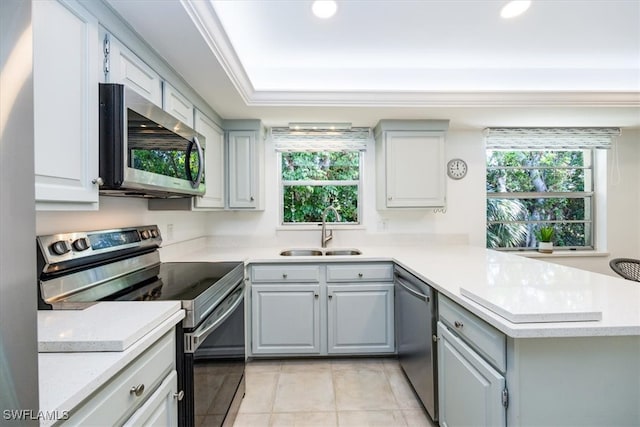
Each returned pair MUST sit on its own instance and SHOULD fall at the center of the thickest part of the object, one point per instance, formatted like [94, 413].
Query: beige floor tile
[371, 419]
[363, 389]
[260, 392]
[263, 366]
[357, 364]
[402, 390]
[304, 419]
[418, 418]
[252, 420]
[304, 392]
[306, 365]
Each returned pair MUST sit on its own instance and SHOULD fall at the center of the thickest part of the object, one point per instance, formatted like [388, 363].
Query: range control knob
[81, 244]
[145, 234]
[60, 247]
[154, 233]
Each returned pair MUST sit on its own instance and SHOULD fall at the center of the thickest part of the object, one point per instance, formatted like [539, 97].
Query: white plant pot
[545, 247]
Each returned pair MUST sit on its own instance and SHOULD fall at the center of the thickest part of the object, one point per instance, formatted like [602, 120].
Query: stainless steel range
[79, 269]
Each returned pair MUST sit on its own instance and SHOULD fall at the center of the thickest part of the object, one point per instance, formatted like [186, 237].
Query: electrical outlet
[169, 231]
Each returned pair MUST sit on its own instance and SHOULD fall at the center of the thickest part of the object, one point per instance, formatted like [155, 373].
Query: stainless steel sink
[319, 252]
[343, 252]
[301, 252]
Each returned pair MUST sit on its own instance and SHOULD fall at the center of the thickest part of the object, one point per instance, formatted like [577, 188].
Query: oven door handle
[193, 340]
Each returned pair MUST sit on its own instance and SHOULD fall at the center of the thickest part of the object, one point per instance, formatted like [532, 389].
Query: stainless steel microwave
[145, 151]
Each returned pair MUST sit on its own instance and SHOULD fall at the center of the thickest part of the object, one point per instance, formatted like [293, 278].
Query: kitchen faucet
[324, 237]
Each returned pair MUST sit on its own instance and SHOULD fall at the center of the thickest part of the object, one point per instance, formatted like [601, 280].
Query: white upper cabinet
[177, 104]
[125, 67]
[214, 163]
[67, 69]
[245, 157]
[410, 162]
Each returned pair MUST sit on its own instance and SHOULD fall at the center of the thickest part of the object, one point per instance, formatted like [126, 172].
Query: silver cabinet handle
[137, 390]
[458, 324]
[179, 395]
[98, 181]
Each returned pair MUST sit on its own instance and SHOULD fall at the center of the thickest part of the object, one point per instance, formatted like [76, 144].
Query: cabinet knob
[284, 275]
[330, 296]
[251, 198]
[458, 324]
[360, 275]
[316, 295]
[390, 198]
[98, 181]
[137, 390]
[179, 395]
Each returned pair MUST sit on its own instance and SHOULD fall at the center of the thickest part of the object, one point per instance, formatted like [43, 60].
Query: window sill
[560, 254]
[315, 227]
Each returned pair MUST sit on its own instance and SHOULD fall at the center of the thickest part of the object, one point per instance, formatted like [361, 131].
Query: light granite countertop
[547, 300]
[66, 379]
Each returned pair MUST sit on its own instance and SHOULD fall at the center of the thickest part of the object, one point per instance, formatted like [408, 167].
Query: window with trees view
[314, 180]
[530, 189]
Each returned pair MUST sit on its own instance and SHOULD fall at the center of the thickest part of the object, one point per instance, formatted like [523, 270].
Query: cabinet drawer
[285, 273]
[115, 401]
[483, 337]
[360, 272]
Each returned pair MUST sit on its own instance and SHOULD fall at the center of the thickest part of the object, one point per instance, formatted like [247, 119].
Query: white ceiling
[563, 63]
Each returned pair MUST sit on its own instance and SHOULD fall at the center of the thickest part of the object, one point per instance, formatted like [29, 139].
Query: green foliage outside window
[555, 189]
[312, 181]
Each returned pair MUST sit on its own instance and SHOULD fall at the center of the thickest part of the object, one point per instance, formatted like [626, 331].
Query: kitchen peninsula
[558, 372]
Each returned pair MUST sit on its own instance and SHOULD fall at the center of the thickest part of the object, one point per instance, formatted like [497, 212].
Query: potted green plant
[545, 239]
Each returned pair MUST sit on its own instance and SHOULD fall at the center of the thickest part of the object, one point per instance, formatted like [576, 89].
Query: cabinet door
[360, 318]
[243, 186]
[415, 169]
[126, 68]
[67, 59]
[214, 163]
[161, 409]
[469, 389]
[285, 319]
[177, 105]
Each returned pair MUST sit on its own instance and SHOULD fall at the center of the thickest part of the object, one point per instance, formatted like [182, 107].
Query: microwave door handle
[195, 182]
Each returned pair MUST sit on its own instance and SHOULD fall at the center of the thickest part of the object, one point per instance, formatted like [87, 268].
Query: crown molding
[208, 24]
[446, 99]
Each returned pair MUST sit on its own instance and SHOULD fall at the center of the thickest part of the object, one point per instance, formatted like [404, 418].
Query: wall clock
[456, 168]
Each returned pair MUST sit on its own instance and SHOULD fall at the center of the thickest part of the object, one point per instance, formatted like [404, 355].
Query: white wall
[463, 221]
[118, 212]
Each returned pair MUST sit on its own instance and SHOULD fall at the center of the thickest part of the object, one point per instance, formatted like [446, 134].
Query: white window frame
[314, 225]
[597, 139]
[591, 164]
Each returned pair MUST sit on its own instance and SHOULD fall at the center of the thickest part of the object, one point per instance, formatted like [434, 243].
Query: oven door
[214, 361]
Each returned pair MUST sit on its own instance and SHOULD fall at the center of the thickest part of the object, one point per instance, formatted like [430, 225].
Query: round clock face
[456, 168]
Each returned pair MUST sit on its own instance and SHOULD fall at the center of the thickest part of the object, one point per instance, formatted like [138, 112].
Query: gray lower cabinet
[322, 309]
[360, 318]
[285, 319]
[471, 369]
[469, 389]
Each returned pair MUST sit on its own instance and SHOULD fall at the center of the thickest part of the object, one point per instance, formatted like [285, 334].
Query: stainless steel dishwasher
[416, 322]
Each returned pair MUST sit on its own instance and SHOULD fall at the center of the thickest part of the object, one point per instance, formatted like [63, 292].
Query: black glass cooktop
[175, 281]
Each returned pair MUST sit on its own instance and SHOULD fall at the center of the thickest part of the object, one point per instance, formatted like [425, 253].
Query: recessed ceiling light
[324, 8]
[515, 8]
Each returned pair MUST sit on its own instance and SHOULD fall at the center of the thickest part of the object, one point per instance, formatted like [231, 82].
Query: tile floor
[329, 392]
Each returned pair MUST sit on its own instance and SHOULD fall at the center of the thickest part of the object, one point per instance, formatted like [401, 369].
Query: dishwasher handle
[402, 282]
